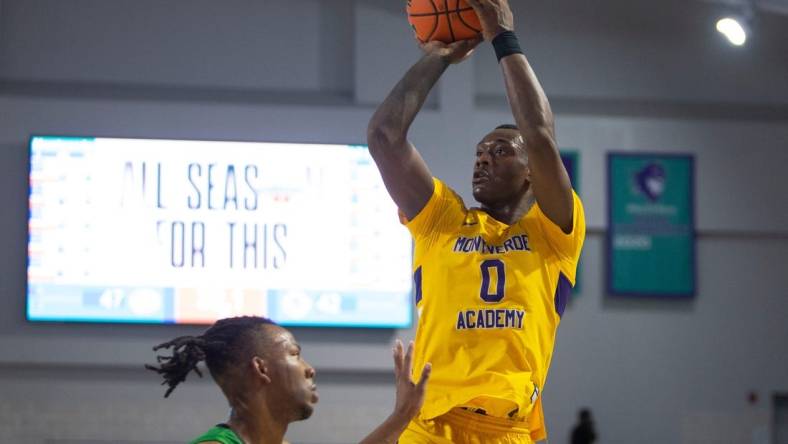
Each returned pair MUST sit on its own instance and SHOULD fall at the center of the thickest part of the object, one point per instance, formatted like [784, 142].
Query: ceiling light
[733, 30]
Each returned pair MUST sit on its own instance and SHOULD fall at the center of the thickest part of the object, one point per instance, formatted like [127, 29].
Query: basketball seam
[459, 11]
[448, 19]
[427, 14]
[435, 23]
[447, 12]
[416, 32]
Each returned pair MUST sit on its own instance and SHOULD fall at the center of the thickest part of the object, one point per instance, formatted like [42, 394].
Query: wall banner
[651, 225]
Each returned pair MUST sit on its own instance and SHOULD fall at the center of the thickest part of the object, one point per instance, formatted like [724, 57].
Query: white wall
[653, 371]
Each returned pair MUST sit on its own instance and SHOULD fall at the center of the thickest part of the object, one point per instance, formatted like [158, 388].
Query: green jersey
[220, 433]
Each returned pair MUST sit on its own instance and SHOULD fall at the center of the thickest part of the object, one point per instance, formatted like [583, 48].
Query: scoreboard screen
[178, 231]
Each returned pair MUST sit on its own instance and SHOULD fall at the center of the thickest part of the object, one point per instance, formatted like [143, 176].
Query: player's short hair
[224, 344]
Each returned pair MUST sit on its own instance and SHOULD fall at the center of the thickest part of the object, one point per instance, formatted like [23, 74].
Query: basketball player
[259, 368]
[492, 282]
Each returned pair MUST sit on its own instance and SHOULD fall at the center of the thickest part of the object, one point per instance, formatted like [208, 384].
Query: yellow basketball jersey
[490, 297]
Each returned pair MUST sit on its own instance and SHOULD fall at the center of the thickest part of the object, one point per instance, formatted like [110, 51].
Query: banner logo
[651, 181]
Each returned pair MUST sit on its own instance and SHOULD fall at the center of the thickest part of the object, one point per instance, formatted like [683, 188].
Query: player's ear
[260, 368]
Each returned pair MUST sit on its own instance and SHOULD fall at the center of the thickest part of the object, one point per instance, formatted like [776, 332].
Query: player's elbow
[381, 139]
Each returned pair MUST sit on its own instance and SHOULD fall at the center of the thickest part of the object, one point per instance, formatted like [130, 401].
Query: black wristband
[506, 44]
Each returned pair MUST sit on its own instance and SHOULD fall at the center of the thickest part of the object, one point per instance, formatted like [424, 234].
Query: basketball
[443, 20]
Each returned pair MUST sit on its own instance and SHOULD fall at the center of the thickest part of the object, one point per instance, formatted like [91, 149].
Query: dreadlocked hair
[225, 343]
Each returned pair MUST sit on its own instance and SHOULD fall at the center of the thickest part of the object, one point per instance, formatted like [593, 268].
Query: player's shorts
[459, 426]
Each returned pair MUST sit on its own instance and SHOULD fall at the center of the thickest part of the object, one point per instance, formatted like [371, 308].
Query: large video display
[177, 231]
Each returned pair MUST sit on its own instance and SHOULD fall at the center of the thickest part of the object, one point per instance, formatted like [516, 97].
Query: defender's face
[292, 377]
[501, 169]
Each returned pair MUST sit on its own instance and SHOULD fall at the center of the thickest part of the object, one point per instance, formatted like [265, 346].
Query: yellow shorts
[460, 426]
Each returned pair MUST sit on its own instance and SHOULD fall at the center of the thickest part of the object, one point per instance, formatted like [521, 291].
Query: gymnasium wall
[625, 76]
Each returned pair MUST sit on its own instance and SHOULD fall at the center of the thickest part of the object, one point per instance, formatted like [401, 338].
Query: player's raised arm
[531, 111]
[406, 176]
[410, 397]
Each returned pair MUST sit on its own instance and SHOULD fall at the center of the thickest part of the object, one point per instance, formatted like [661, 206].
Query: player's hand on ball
[410, 395]
[452, 52]
[494, 15]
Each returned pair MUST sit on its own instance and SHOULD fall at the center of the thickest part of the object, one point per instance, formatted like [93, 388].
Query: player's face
[500, 172]
[292, 377]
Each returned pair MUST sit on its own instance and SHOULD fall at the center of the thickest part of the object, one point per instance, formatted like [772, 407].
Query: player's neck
[511, 212]
[254, 423]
